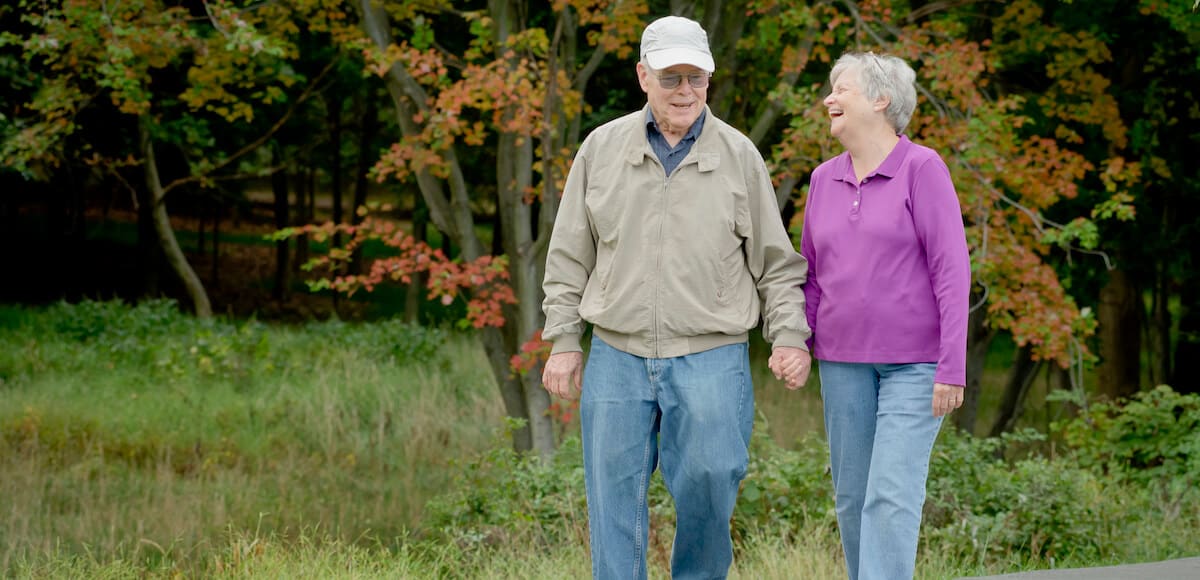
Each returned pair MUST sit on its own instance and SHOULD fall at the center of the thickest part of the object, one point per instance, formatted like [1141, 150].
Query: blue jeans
[880, 425]
[693, 414]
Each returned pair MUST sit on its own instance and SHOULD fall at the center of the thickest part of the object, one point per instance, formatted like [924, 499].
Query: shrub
[504, 498]
[1153, 437]
[979, 504]
[390, 340]
[785, 491]
[503, 495]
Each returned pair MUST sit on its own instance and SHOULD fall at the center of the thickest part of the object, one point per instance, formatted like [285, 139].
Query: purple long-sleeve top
[889, 275]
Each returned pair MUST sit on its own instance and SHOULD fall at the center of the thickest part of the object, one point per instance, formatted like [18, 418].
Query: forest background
[382, 178]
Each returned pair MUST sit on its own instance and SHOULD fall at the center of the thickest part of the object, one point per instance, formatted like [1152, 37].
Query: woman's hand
[791, 364]
[946, 398]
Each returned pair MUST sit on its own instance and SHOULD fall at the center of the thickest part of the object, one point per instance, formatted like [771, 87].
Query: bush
[1152, 438]
[980, 505]
[1127, 467]
[785, 491]
[502, 498]
[391, 340]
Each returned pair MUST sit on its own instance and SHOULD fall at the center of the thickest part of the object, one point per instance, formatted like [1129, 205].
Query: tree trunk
[149, 252]
[525, 319]
[8, 206]
[415, 292]
[218, 211]
[335, 166]
[201, 235]
[979, 340]
[368, 127]
[334, 107]
[162, 228]
[1159, 329]
[1062, 380]
[514, 176]
[281, 206]
[305, 182]
[724, 22]
[1020, 377]
[1185, 377]
[1120, 337]
[450, 211]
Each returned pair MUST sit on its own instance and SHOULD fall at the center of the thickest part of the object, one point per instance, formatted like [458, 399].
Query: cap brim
[666, 58]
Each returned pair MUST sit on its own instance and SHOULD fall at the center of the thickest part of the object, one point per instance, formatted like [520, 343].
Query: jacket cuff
[795, 339]
[566, 343]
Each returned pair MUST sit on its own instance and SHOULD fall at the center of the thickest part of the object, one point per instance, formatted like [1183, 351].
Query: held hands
[791, 364]
[563, 374]
[946, 398]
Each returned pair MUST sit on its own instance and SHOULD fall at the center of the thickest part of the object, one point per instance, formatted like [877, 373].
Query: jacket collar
[704, 153]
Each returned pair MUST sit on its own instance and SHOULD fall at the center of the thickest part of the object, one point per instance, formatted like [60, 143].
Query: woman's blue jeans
[880, 425]
[693, 415]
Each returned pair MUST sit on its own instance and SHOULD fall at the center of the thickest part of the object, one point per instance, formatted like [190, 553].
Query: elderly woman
[887, 298]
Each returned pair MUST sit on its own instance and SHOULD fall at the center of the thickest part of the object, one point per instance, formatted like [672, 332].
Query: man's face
[675, 109]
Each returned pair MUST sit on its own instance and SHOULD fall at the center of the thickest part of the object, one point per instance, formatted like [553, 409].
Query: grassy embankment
[140, 442]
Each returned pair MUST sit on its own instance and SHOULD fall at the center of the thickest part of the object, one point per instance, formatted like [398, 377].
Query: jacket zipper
[662, 220]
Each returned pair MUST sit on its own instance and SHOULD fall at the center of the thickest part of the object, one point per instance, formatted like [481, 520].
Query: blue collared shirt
[667, 155]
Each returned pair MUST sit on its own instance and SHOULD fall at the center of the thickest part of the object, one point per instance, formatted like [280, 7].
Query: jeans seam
[929, 451]
[745, 378]
[643, 499]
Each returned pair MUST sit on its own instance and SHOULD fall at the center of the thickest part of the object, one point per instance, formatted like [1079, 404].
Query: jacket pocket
[724, 291]
[605, 276]
[606, 210]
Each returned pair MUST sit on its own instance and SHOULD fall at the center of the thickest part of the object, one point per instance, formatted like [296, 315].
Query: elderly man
[670, 243]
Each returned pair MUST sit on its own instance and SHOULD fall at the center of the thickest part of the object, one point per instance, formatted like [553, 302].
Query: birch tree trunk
[163, 231]
[449, 209]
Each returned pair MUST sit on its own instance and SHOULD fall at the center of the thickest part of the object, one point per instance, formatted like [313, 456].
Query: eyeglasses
[670, 81]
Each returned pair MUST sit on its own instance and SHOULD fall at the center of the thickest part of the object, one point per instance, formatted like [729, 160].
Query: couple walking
[670, 244]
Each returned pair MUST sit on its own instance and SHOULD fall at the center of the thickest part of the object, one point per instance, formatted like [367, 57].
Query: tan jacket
[665, 267]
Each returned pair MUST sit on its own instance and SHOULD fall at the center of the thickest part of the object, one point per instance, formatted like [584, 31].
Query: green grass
[137, 442]
[115, 445]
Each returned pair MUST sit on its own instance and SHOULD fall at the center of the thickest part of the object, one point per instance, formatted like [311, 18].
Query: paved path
[1184, 569]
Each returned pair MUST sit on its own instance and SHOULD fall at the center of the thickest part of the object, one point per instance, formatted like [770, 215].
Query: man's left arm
[779, 272]
[777, 268]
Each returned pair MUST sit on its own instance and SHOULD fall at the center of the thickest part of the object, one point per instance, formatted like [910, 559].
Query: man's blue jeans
[693, 414]
[880, 425]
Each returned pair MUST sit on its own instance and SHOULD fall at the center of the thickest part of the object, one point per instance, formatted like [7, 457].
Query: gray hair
[883, 76]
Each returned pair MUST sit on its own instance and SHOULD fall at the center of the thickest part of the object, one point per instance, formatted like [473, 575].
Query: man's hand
[946, 398]
[563, 374]
[791, 364]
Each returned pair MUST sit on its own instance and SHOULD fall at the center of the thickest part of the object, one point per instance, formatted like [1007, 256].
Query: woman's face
[849, 108]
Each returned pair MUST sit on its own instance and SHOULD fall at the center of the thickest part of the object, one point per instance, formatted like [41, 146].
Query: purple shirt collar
[844, 170]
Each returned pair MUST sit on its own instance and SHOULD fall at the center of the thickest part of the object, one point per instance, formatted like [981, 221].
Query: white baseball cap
[673, 40]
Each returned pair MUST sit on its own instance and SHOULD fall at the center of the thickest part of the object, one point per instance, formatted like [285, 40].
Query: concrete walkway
[1183, 569]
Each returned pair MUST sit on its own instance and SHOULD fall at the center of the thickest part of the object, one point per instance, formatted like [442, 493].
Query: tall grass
[141, 435]
[138, 442]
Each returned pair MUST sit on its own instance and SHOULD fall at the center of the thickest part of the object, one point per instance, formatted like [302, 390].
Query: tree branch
[1039, 222]
[451, 214]
[254, 145]
[945, 111]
